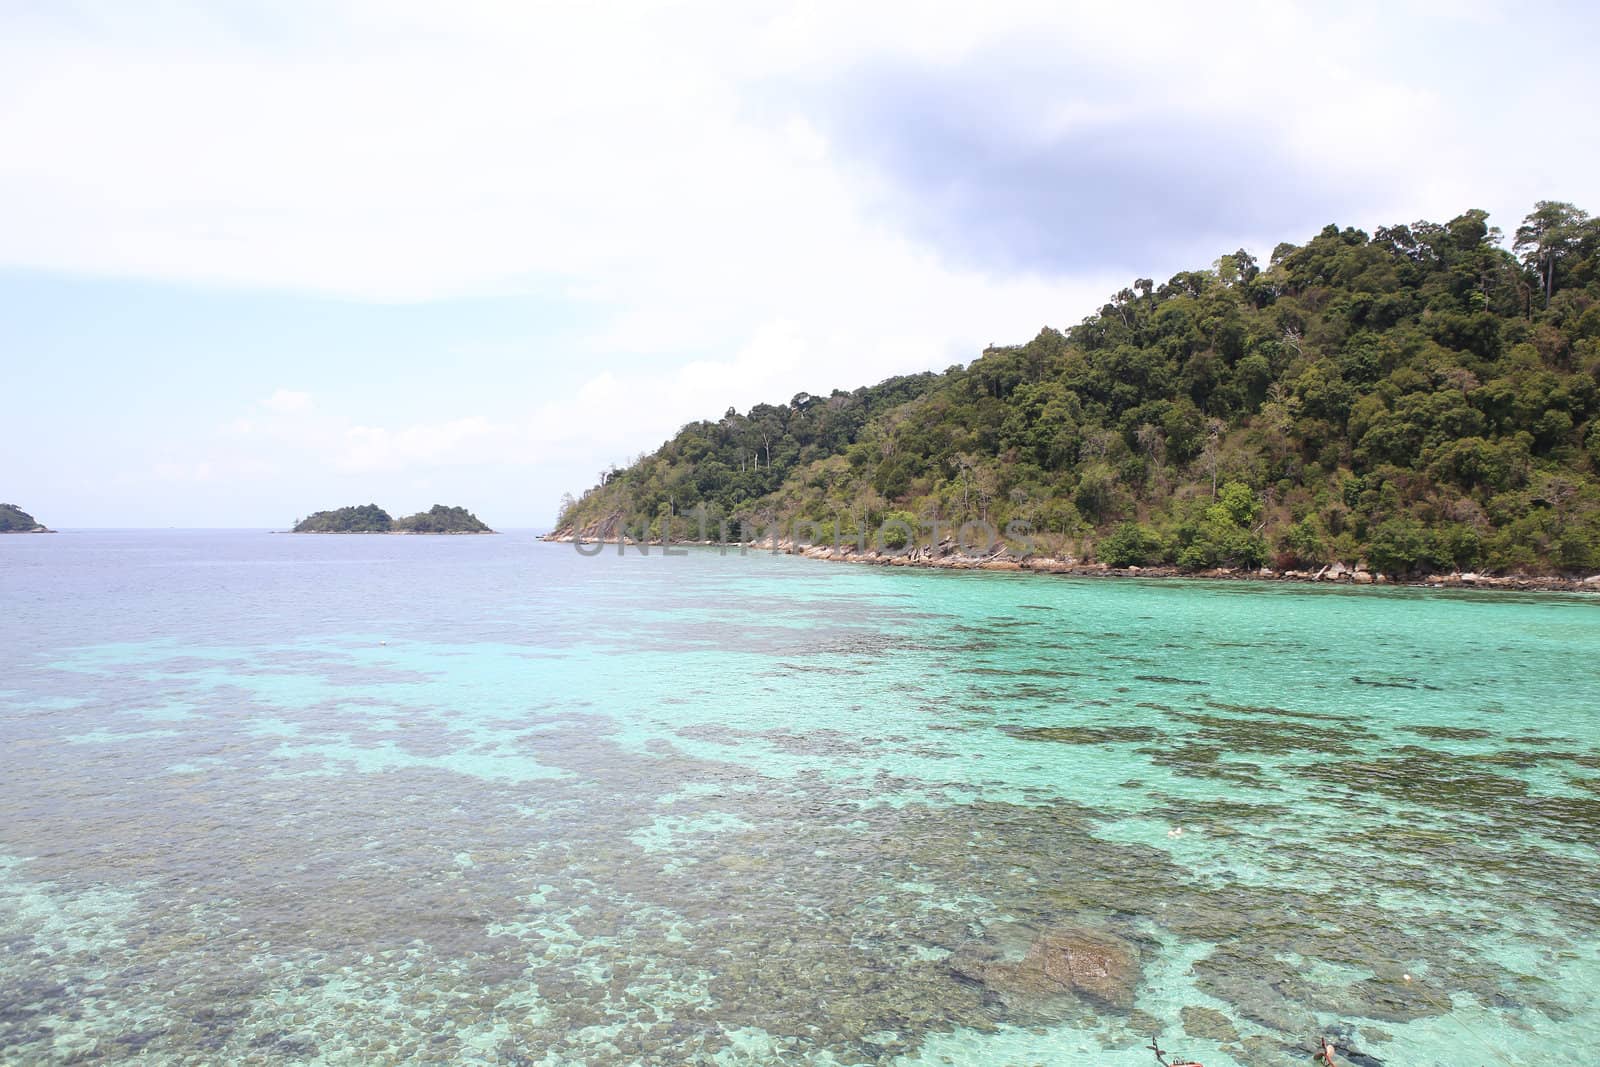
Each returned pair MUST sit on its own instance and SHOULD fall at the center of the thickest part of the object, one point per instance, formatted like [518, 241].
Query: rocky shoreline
[948, 556]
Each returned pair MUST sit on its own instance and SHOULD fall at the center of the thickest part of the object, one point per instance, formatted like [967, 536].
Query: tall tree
[1548, 234]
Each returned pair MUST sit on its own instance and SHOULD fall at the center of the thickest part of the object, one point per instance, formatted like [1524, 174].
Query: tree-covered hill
[366, 518]
[1420, 398]
[14, 520]
[370, 518]
[440, 519]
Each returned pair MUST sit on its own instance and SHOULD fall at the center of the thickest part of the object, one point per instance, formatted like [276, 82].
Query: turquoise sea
[276, 799]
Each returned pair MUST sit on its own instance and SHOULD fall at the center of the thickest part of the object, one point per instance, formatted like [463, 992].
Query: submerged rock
[1208, 1024]
[1085, 964]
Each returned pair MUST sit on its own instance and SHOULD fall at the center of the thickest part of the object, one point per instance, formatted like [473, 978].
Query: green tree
[1400, 547]
[1131, 545]
[1547, 236]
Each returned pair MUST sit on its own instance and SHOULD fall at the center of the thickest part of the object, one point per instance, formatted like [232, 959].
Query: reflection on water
[350, 800]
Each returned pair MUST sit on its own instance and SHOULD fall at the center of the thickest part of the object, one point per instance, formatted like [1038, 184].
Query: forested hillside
[442, 519]
[14, 520]
[370, 518]
[1421, 398]
[365, 518]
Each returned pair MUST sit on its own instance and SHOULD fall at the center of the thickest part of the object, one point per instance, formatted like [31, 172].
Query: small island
[441, 520]
[14, 520]
[371, 519]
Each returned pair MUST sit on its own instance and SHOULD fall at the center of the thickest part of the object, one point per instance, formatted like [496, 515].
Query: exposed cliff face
[608, 527]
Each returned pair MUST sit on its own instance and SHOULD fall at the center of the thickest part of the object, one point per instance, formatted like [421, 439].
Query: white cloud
[286, 425]
[467, 440]
[287, 400]
[231, 470]
[416, 152]
[654, 167]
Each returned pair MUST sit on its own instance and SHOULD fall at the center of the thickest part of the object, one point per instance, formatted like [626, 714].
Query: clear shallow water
[481, 799]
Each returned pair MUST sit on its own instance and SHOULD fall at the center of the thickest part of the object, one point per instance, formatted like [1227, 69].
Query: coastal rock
[948, 556]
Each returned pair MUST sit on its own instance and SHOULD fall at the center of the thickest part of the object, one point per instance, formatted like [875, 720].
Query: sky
[262, 260]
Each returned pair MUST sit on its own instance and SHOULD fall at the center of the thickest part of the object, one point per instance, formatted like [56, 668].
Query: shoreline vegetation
[13, 520]
[371, 519]
[950, 556]
[1421, 403]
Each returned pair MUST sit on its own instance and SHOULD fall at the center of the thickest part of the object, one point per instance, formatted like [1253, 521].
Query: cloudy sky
[261, 260]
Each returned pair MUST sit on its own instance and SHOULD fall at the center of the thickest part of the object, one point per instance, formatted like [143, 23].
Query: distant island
[14, 520]
[1419, 400]
[371, 519]
[441, 520]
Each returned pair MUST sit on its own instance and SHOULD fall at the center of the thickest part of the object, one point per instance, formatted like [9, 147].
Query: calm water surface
[376, 799]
